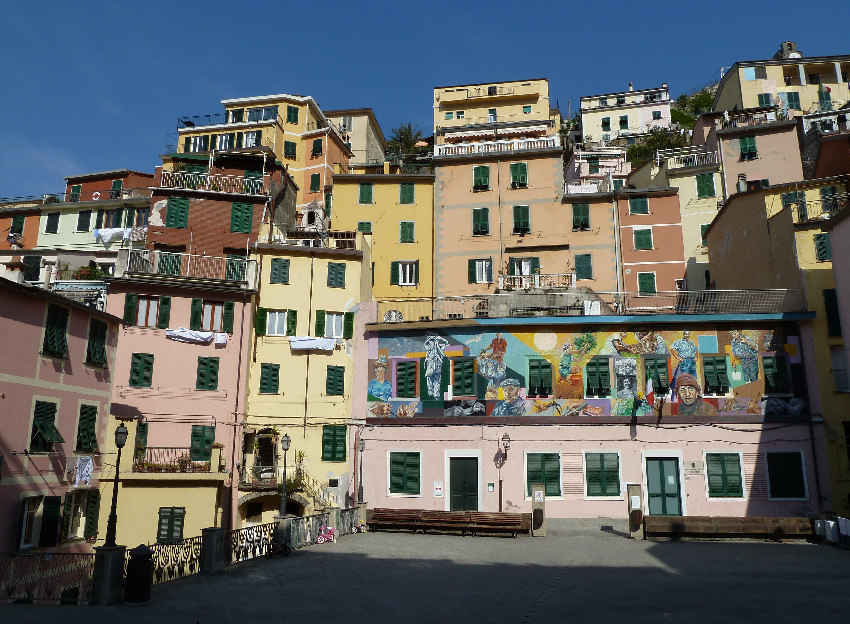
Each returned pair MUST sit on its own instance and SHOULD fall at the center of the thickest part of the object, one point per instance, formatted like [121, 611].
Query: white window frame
[278, 327]
[459, 114]
[223, 142]
[408, 266]
[492, 115]
[802, 465]
[32, 514]
[150, 304]
[484, 271]
[722, 499]
[212, 316]
[635, 230]
[421, 480]
[78, 516]
[637, 284]
[659, 117]
[333, 324]
[347, 123]
[619, 475]
[253, 142]
[560, 472]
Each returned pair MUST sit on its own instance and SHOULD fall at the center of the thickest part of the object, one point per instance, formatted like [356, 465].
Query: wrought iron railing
[240, 185]
[262, 476]
[250, 542]
[46, 577]
[486, 147]
[174, 560]
[818, 209]
[347, 520]
[158, 262]
[305, 529]
[167, 459]
[193, 121]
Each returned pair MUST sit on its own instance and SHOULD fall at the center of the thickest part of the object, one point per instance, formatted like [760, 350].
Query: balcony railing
[384, 169]
[167, 459]
[194, 121]
[753, 119]
[581, 303]
[688, 157]
[329, 239]
[262, 476]
[93, 196]
[594, 186]
[167, 263]
[214, 182]
[538, 281]
[817, 210]
[487, 147]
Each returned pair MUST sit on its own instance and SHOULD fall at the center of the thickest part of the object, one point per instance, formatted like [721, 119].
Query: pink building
[55, 389]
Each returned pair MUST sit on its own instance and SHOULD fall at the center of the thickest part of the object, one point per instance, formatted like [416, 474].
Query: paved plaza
[586, 576]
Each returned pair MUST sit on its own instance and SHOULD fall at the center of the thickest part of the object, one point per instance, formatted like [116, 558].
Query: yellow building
[789, 79]
[624, 114]
[300, 376]
[396, 207]
[777, 238]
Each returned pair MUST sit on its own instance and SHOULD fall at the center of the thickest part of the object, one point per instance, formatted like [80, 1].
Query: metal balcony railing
[538, 281]
[329, 239]
[818, 209]
[194, 121]
[167, 459]
[686, 157]
[166, 263]
[487, 147]
[214, 182]
[93, 196]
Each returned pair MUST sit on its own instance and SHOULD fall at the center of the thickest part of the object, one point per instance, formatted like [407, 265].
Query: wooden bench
[385, 518]
[445, 521]
[456, 521]
[482, 521]
[727, 527]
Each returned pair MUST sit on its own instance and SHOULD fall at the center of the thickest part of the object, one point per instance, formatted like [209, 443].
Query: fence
[46, 578]
[174, 560]
[347, 521]
[305, 529]
[251, 542]
[167, 459]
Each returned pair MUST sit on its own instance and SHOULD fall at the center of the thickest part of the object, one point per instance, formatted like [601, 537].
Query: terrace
[228, 184]
[154, 262]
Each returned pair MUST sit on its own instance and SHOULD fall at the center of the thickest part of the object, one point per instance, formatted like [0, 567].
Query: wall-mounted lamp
[506, 443]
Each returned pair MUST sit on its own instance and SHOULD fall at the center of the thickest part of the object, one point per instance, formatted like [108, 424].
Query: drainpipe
[722, 169]
[617, 237]
[235, 473]
[811, 428]
[499, 188]
[309, 316]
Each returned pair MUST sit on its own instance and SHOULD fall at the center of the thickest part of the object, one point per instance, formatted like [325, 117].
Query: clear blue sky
[90, 86]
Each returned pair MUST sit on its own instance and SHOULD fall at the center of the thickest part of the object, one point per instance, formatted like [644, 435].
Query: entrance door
[463, 484]
[662, 486]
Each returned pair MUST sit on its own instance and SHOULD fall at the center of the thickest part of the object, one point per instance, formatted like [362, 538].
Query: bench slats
[463, 521]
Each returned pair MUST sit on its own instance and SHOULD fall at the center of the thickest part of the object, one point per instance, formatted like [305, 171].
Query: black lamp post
[111, 524]
[361, 446]
[284, 446]
[506, 444]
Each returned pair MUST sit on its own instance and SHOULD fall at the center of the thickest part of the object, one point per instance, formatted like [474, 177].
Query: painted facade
[361, 133]
[596, 169]
[610, 116]
[516, 101]
[56, 394]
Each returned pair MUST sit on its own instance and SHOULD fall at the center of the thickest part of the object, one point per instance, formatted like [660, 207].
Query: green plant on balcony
[184, 461]
[88, 273]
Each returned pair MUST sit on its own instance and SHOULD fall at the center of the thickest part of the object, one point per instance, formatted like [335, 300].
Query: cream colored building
[623, 114]
[361, 133]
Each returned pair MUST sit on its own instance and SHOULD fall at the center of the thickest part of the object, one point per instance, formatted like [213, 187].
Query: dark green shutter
[279, 271]
[584, 266]
[87, 428]
[406, 193]
[241, 217]
[394, 271]
[407, 232]
[262, 321]
[18, 224]
[320, 323]
[227, 317]
[67, 515]
[581, 216]
[639, 205]
[291, 322]
[164, 314]
[480, 221]
[522, 222]
[481, 178]
[197, 314]
[643, 239]
[823, 250]
[464, 377]
[646, 283]
[130, 307]
[365, 193]
[472, 271]
[92, 513]
[50, 509]
[348, 325]
[535, 265]
[317, 147]
[315, 182]
[269, 378]
[705, 185]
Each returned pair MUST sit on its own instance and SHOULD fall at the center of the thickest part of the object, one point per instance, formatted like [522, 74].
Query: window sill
[54, 356]
[100, 365]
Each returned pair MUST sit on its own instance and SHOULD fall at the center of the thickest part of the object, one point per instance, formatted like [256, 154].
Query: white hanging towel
[220, 338]
[85, 466]
[189, 335]
[297, 343]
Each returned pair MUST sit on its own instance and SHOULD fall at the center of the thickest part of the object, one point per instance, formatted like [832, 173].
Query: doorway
[463, 484]
[663, 488]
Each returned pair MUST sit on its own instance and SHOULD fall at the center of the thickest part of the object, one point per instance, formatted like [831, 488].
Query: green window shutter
[833, 319]
[92, 513]
[279, 271]
[705, 185]
[18, 224]
[643, 239]
[646, 283]
[317, 147]
[177, 212]
[764, 99]
[291, 322]
[83, 221]
[473, 273]
[320, 323]
[748, 148]
[197, 314]
[87, 428]
[141, 442]
[289, 149]
[593, 164]
[464, 377]
[241, 217]
[404, 473]
[407, 232]
[535, 265]
[602, 474]
[539, 378]
[315, 182]
[406, 193]
[76, 189]
[269, 378]
[823, 250]
[202, 440]
[164, 314]
[624, 122]
[336, 275]
[584, 266]
[202, 379]
[364, 226]
[130, 306]
[365, 193]
[519, 175]
[723, 472]
[98, 223]
[348, 325]
[164, 525]
[481, 178]
[522, 221]
[227, 317]
[335, 381]
[262, 321]
[703, 231]
[292, 114]
[639, 205]
[394, 270]
[581, 216]
[141, 370]
[775, 374]
[543, 468]
[329, 200]
[96, 347]
[333, 443]
[480, 221]
[50, 508]
[606, 124]
[55, 336]
[405, 373]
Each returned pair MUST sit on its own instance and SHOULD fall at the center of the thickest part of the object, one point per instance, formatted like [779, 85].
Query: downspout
[617, 241]
[309, 317]
[722, 169]
[499, 188]
[236, 424]
[811, 428]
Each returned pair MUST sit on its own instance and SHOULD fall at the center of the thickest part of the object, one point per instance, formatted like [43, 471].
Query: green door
[662, 486]
[463, 484]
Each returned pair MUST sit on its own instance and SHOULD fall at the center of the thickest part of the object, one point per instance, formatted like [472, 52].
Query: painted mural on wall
[538, 372]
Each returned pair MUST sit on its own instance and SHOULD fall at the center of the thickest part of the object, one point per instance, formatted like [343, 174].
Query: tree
[657, 139]
[404, 139]
[688, 107]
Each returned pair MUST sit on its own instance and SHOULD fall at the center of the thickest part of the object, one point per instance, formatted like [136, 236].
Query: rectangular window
[207, 378]
[716, 378]
[481, 178]
[796, 200]
[142, 310]
[643, 238]
[598, 377]
[406, 193]
[764, 99]
[775, 374]
[141, 370]
[280, 322]
[823, 250]
[703, 232]
[760, 73]
[603, 101]
[200, 448]
[404, 273]
[785, 475]
[333, 443]
[480, 221]
[336, 275]
[449, 115]
[75, 515]
[177, 212]
[459, 115]
[480, 271]
[656, 370]
[526, 110]
[262, 113]
[543, 468]
[519, 175]
[87, 429]
[656, 115]
[76, 191]
[52, 225]
[793, 99]
[621, 99]
[317, 147]
[723, 474]
[581, 216]
[646, 283]
[365, 196]
[291, 114]
[331, 326]
[212, 313]
[405, 379]
[463, 377]
[17, 226]
[96, 346]
[584, 266]
[833, 319]
[269, 378]
[705, 185]
[824, 100]
[748, 148]
[170, 525]
[315, 182]
[55, 337]
[638, 205]
[364, 226]
[539, 378]
[329, 200]
[335, 381]
[618, 184]
[593, 164]
[289, 149]
[279, 273]
[602, 474]
[522, 220]
[624, 122]
[241, 217]
[44, 433]
[406, 232]
[492, 117]
[606, 124]
[253, 138]
[404, 473]
[84, 221]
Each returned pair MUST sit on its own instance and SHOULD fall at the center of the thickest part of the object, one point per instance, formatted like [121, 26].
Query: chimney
[631, 87]
[48, 273]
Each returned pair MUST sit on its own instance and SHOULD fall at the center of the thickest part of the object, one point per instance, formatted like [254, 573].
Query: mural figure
[625, 371]
[497, 349]
[631, 407]
[379, 388]
[745, 349]
[434, 354]
[691, 402]
[381, 410]
[685, 351]
[647, 342]
[493, 371]
[466, 408]
[565, 366]
[514, 404]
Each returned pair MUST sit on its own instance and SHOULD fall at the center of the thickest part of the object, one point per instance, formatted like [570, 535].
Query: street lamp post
[361, 446]
[112, 523]
[506, 444]
[284, 446]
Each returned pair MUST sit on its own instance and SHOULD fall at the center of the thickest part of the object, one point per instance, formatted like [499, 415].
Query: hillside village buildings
[285, 306]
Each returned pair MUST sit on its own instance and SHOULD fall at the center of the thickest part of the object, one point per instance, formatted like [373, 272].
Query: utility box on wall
[538, 510]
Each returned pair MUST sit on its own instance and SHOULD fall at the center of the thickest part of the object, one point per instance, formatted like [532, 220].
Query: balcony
[328, 239]
[386, 168]
[538, 281]
[749, 119]
[261, 477]
[686, 157]
[168, 459]
[154, 262]
[586, 187]
[94, 196]
[581, 302]
[232, 185]
[804, 211]
[496, 147]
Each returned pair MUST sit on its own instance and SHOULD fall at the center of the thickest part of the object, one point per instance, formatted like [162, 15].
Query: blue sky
[91, 86]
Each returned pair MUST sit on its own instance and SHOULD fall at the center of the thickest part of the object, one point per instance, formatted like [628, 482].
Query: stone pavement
[582, 576]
